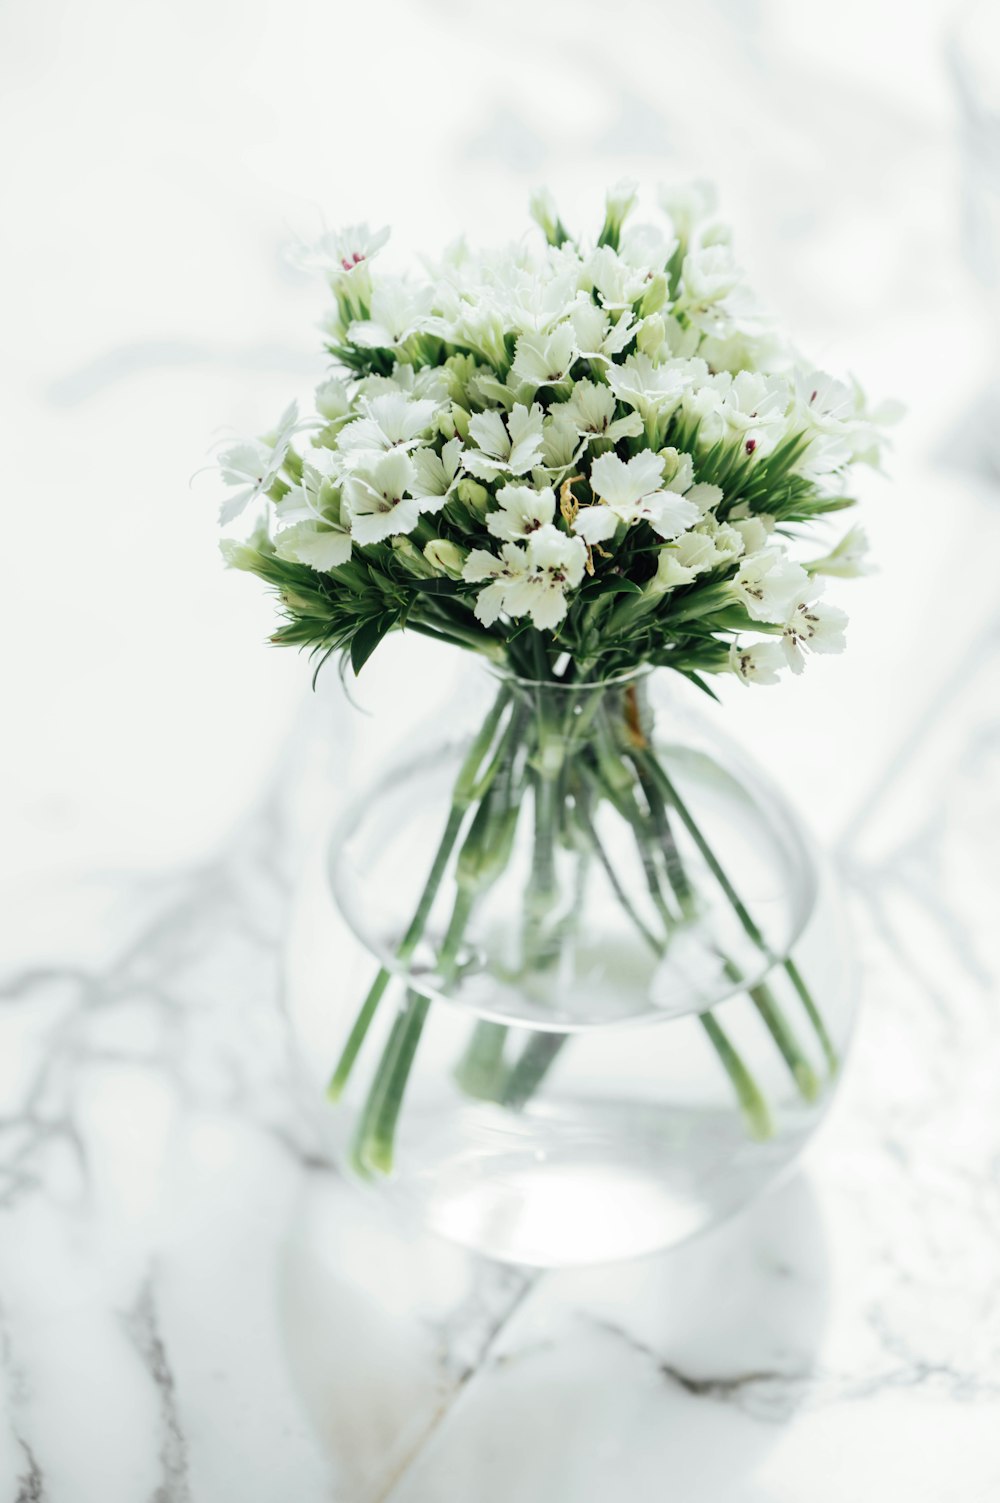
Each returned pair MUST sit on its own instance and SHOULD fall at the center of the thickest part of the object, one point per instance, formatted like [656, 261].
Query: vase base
[549, 1194]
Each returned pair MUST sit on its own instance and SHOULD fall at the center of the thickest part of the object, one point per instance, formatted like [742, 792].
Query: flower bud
[445, 558]
[542, 208]
[651, 337]
[411, 557]
[655, 296]
[473, 495]
[238, 555]
[618, 205]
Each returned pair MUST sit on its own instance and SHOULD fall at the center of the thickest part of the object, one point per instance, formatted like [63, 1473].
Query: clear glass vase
[610, 988]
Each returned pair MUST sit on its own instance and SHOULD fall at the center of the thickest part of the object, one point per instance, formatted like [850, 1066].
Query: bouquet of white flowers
[575, 459]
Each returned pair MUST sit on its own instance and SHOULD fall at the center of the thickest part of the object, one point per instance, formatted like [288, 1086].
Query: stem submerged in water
[582, 768]
[462, 797]
[750, 925]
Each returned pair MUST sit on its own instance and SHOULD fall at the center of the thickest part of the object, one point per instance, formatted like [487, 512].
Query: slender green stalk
[756, 1111]
[540, 1052]
[463, 794]
[761, 995]
[541, 893]
[536, 1059]
[677, 877]
[481, 1069]
[404, 951]
[813, 1014]
[781, 1031]
[375, 1137]
[628, 907]
[747, 920]
[484, 854]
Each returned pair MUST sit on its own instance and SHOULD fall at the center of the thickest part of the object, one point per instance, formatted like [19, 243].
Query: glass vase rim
[622, 680]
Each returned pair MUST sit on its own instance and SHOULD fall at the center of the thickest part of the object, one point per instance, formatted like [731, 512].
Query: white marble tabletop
[193, 1307]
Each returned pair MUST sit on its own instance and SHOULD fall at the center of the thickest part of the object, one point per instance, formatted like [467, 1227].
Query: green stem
[375, 1137]
[481, 1068]
[673, 865]
[761, 995]
[540, 893]
[813, 1014]
[482, 1071]
[617, 888]
[540, 1053]
[463, 794]
[484, 855]
[749, 924]
[781, 1032]
[755, 1109]
[535, 1061]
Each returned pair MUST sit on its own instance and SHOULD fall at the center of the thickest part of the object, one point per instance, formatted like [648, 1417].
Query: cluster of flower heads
[606, 443]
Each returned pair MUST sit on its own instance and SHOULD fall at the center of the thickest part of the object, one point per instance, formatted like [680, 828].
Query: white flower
[834, 414]
[377, 499]
[759, 663]
[681, 562]
[687, 205]
[678, 473]
[749, 406]
[562, 445]
[542, 208]
[645, 245]
[557, 563]
[812, 627]
[513, 449]
[754, 530]
[617, 284]
[253, 465]
[529, 579]
[432, 381]
[390, 421]
[340, 253]
[597, 335]
[768, 583]
[397, 311]
[632, 492]
[522, 511]
[654, 390]
[847, 560]
[826, 402]
[320, 545]
[618, 204]
[591, 411]
[435, 475]
[708, 275]
[333, 401]
[545, 359]
[726, 541]
[313, 498]
[509, 574]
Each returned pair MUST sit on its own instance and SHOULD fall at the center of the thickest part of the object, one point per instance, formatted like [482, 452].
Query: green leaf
[697, 679]
[366, 639]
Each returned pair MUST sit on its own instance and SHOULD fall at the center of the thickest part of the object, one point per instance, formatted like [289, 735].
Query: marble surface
[193, 1307]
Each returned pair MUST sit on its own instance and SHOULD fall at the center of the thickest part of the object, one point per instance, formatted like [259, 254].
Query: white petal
[489, 603]
[595, 524]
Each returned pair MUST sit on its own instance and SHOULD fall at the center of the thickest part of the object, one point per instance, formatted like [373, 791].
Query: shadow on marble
[428, 1373]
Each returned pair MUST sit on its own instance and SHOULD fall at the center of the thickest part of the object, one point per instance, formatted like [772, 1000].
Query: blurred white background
[158, 157]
